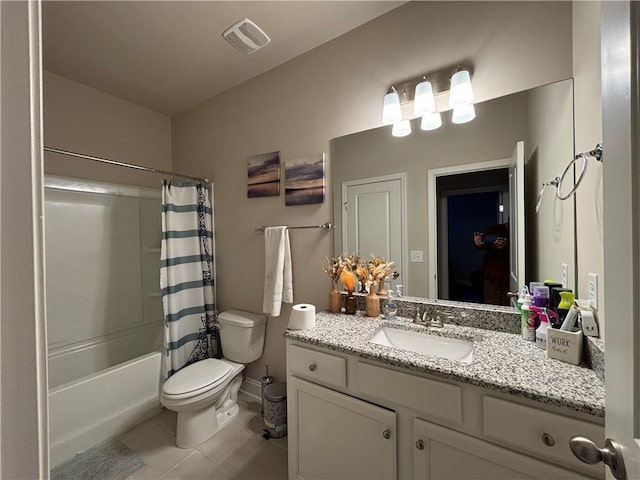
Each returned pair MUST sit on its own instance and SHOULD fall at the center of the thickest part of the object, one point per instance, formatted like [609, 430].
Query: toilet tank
[242, 335]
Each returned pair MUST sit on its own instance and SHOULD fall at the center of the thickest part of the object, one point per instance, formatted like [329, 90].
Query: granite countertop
[501, 361]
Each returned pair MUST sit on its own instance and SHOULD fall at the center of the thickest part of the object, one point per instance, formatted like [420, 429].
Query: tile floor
[237, 452]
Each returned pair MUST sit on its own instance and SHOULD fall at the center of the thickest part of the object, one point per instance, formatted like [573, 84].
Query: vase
[350, 304]
[363, 287]
[335, 299]
[381, 289]
[372, 302]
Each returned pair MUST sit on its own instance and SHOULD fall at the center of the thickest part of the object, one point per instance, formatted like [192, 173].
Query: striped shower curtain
[186, 275]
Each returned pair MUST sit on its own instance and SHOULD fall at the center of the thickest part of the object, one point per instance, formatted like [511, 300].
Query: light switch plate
[417, 256]
[565, 275]
[593, 290]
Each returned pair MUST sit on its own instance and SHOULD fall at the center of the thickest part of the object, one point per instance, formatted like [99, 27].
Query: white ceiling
[171, 56]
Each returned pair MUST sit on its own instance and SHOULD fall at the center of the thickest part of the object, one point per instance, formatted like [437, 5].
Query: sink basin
[418, 342]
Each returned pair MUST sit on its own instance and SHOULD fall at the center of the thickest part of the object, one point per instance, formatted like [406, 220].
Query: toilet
[205, 393]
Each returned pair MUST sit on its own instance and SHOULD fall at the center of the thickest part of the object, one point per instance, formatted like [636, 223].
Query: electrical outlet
[565, 275]
[593, 290]
[417, 256]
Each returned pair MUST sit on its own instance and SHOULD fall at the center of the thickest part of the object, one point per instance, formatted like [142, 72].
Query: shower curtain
[186, 275]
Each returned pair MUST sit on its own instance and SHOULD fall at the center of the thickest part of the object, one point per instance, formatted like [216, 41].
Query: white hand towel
[278, 285]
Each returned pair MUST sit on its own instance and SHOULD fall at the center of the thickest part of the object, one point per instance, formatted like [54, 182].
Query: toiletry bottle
[541, 331]
[390, 307]
[527, 320]
[566, 300]
[554, 297]
[541, 296]
[523, 291]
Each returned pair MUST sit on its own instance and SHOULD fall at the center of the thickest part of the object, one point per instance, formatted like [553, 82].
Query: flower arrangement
[334, 268]
[379, 269]
[342, 268]
[349, 268]
[362, 272]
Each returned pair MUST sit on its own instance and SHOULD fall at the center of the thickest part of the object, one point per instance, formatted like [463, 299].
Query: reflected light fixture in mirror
[401, 128]
[463, 114]
[431, 121]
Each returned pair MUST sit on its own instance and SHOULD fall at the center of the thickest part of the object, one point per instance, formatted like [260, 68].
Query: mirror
[417, 200]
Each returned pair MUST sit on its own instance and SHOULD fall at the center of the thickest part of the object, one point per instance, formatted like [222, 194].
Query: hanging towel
[278, 286]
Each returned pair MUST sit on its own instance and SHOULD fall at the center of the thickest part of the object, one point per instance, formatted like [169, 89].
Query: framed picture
[263, 175]
[304, 180]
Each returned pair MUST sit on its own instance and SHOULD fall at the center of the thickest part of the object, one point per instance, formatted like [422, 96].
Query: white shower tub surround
[103, 405]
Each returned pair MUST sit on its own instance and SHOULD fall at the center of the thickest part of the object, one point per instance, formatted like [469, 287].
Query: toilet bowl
[205, 393]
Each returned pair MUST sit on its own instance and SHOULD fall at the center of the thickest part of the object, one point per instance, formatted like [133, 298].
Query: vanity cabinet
[355, 418]
[338, 436]
[441, 453]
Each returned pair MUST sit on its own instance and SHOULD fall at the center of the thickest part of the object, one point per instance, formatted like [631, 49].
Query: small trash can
[275, 410]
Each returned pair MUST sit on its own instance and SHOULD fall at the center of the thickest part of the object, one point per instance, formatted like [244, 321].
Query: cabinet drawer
[431, 397]
[540, 433]
[317, 366]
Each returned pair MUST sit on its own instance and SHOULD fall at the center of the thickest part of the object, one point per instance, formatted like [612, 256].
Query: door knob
[611, 454]
[312, 367]
[387, 434]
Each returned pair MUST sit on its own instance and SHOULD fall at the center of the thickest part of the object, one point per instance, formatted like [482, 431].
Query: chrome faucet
[435, 322]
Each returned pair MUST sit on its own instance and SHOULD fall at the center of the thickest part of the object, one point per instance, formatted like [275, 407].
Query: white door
[516, 221]
[373, 220]
[335, 436]
[621, 177]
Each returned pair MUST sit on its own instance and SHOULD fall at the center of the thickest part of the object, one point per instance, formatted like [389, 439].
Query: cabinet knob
[312, 367]
[387, 434]
[420, 444]
[548, 440]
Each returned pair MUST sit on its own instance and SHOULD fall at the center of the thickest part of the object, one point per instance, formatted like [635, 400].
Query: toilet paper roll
[303, 317]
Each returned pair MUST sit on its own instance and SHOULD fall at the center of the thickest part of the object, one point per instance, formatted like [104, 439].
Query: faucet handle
[436, 321]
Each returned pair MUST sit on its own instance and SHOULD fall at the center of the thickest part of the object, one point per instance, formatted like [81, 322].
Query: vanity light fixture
[391, 111]
[422, 93]
[401, 128]
[461, 92]
[423, 102]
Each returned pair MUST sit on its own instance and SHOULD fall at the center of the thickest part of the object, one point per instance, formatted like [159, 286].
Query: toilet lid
[196, 376]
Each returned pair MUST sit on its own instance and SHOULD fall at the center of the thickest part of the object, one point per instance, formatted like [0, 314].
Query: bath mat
[111, 460]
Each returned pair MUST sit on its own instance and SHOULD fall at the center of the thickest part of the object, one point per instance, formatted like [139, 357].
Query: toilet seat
[197, 378]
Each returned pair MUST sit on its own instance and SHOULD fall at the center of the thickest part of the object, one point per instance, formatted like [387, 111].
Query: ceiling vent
[246, 36]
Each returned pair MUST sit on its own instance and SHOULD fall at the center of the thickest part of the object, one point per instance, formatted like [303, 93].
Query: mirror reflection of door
[474, 204]
[373, 220]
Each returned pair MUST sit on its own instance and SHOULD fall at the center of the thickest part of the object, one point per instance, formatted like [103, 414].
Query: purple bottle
[541, 296]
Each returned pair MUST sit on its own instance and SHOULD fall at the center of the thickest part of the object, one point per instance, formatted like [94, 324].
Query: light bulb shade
[461, 92]
[423, 102]
[431, 121]
[401, 128]
[463, 114]
[391, 112]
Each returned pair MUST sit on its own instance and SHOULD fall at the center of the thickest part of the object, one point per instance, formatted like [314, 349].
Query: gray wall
[334, 90]
[85, 120]
[551, 231]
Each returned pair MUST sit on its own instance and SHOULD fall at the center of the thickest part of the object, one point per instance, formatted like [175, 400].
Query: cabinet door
[440, 453]
[332, 435]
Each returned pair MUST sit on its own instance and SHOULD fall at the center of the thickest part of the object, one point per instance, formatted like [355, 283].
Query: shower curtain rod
[122, 164]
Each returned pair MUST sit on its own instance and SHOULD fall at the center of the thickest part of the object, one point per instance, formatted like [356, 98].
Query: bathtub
[87, 411]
